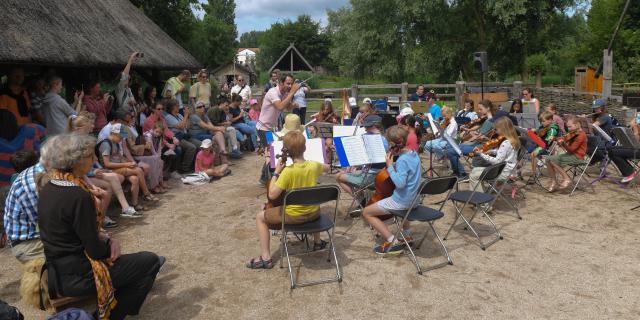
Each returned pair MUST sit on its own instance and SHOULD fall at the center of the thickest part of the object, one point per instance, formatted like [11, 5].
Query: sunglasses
[199, 107]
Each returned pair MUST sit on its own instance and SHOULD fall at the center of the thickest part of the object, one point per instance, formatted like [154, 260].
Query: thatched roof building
[85, 33]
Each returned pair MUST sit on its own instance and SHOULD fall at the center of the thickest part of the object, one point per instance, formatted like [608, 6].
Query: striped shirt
[21, 206]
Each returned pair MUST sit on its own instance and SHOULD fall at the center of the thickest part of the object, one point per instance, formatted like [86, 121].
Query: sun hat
[206, 144]
[292, 123]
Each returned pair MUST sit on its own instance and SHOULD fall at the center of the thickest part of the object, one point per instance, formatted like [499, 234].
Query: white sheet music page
[355, 150]
[315, 150]
[432, 122]
[375, 148]
[345, 131]
[277, 150]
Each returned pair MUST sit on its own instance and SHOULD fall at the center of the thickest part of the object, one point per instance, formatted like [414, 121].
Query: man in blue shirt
[419, 95]
[21, 216]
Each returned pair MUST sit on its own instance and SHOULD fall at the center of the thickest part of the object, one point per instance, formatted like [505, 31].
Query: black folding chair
[422, 213]
[361, 194]
[481, 200]
[310, 197]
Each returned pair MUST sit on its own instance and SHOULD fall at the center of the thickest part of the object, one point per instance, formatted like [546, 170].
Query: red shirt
[150, 122]
[577, 145]
[412, 141]
[100, 107]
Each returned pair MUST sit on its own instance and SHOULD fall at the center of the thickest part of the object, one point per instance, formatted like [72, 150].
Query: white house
[246, 56]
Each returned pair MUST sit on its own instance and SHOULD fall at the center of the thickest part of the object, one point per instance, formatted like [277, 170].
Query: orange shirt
[17, 103]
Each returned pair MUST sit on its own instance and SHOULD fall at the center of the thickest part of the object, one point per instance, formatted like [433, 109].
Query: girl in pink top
[254, 112]
[205, 161]
[409, 123]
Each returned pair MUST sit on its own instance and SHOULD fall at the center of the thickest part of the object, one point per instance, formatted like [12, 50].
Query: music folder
[315, 151]
[360, 150]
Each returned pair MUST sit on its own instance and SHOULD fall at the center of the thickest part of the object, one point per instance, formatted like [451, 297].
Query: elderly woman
[178, 124]
[82, 259]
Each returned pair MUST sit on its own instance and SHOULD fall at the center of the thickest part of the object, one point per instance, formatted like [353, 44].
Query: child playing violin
[548, 131]
[450, 126]
[575, 142]
[507, 152]
[326, 113]
[302, 173]
[405, 174]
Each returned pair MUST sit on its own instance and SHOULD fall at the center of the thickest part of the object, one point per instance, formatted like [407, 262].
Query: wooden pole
[354, 92]
[517, 90]
[607, 73]
[460, 94]
[404, 92]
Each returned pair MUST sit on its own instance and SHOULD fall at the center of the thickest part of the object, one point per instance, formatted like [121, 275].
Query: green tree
[175, 17]
[538, 63]
[250, 39]
[213, 39]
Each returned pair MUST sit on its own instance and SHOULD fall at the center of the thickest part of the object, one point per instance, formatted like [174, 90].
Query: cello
[383, 183]
[272, 203]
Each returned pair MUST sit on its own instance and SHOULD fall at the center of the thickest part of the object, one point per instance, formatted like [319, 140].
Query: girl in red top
[409, 124]
[575, 142]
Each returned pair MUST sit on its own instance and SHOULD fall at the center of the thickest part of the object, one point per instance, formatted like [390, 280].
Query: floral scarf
[100, 268]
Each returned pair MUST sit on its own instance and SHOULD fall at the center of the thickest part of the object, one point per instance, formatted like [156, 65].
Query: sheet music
[355, 150]
[434, 129]
[375, 148]
[315, 151]
[345, 131]
[603, 134]
[452, 143]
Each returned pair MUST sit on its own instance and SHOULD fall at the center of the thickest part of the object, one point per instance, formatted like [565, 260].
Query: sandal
[139, 207]
[320, 245]
[150, 197]
[259, 264]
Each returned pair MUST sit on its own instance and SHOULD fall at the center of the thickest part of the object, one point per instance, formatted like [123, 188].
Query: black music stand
[609, 142]
[428, 174]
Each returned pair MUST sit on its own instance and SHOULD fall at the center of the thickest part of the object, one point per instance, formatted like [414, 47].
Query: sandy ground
[569, 258]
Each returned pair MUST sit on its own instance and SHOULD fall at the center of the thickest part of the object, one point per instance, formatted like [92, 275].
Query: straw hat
[292, 123]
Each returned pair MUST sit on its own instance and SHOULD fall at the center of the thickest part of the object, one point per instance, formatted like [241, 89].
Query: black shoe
[161, 261]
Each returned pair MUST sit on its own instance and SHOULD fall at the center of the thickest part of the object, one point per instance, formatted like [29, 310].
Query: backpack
[97, 150]
[9, 312]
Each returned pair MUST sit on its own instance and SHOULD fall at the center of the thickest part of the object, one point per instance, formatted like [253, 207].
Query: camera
[140, 55]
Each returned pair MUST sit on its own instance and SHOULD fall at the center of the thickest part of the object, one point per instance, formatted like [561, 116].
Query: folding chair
[422, 213]
[311, 196]
[361, 193]
[497, 187]
[481, 200]
[579, 169]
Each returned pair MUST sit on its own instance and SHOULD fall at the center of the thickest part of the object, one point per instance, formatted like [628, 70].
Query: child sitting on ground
[548, 131]
[205, 161]
[302, 173]
[575, 142]
[405, 174]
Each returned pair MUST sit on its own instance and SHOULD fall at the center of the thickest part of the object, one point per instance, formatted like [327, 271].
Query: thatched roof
[85, 33]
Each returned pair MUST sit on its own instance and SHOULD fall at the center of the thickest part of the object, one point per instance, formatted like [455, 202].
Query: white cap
[366, 100]
[406, 111]
[352, 102]
[206, 144]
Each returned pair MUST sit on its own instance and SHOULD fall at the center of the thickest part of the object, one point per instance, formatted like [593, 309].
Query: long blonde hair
[505, 126]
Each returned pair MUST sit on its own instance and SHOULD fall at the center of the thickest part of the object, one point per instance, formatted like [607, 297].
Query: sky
[260, 14]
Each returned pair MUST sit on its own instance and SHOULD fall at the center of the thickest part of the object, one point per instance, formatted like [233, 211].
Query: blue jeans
[456, 165]
[203, 136]
[436, 146]
[247, 128]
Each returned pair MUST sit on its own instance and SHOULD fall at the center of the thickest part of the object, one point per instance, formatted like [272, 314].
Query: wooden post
[354, 93]
[607, 73]
[516, 92]
[404, 92]
[460, 94]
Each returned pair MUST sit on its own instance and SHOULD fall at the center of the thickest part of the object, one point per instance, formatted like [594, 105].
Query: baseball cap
[598, 103]
[120, 130]
[366, 100]
[253, 101]
[206, 144]
[371, 120]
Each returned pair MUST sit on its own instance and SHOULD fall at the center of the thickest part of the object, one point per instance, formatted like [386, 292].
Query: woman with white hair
[81, 258]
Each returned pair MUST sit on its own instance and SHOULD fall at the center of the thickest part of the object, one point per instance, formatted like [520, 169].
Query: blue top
[405, 174]
[436, 111]
[21, 206]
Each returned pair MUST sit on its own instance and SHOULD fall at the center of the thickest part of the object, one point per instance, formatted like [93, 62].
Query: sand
[569, 258]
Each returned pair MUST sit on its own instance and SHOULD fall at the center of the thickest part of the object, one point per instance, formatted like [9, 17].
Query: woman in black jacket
[82, 259]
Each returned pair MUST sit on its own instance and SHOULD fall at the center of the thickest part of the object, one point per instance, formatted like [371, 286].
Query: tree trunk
[538, 79]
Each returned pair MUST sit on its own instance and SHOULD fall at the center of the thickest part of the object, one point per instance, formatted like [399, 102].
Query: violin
[491, 144]
[569, 136]
[542, 132]
[468, 135]
[446, 122]
[272, 203]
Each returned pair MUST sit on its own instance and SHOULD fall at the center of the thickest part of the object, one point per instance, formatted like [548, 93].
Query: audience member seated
[81, 258]
[179, 125]
[205, 161]
[254, 112]
[302, 173]
[111, 157]
[202, 128]
[56, 110]
[167, 151]
[218, 117]
[138, 149]
[150, 101]
[158, 117]
[239, 123]
[22, 160]
[14, 97]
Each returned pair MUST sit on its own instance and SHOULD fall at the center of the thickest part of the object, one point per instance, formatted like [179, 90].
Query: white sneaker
[176, 175]
[130, 212]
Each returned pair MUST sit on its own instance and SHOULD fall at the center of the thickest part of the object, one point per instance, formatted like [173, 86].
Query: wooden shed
[586, 81]
[227, 73]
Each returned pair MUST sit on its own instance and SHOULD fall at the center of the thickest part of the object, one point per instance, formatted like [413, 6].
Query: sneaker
[130, 212]
[388, 248]
[176, 175]
[541, 164]
[108, 223]
[409, 240]
[235, 154]
[462, 178]
[629, 178]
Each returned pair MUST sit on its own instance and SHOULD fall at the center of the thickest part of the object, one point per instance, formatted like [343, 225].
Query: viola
[272, 203]
[491, 144]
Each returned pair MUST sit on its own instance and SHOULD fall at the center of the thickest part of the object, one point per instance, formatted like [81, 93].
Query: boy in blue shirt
[405, 174]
